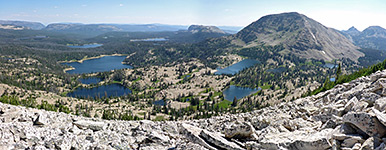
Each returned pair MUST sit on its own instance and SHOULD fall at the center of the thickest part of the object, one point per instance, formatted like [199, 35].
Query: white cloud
[120, 5]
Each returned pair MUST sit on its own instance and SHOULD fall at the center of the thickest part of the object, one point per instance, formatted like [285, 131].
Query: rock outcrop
[349, 116]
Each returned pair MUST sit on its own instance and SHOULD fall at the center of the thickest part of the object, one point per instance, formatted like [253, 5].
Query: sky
[338, 14]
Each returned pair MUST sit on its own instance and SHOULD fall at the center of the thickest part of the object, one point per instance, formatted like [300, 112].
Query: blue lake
[160, 102]
[85, 46]
[92, 80]
[102, 64]
[101, 91]
[149, 40]
[239, 92]
[329, 65]
[235, 68]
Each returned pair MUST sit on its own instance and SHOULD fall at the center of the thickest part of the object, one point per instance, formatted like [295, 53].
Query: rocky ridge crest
[349, 116]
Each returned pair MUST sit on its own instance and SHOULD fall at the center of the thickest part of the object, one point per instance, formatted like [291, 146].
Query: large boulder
[366, 122]
[239, 131]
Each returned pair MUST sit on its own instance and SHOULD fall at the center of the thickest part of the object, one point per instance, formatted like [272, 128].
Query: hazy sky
[339, 14]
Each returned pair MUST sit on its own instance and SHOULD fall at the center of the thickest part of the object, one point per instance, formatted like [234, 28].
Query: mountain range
[103, 28]
[299, 34]
[372, 37]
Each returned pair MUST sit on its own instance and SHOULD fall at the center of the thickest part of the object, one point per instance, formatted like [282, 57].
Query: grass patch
[224, 104]
[159, 118]
[264, 87]
[119, 82]
[139, 78]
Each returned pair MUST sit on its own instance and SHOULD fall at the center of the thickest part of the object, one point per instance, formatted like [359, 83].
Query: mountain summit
[300, 35]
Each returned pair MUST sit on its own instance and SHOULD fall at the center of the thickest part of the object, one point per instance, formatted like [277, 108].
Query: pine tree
[234, 103]
[338, 72]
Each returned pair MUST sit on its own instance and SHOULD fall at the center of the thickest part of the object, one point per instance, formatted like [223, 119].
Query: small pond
[235, 68]
[100, 91]
[160, 102]
[238, 92]
[329, 65]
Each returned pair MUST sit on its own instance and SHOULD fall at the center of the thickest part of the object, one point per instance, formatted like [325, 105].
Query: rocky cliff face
[301, 35]
[349, 116]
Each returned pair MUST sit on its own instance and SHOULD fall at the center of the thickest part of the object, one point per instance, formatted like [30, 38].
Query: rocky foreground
[349, 116]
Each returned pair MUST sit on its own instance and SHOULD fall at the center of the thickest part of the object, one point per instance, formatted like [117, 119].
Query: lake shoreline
[88, 58]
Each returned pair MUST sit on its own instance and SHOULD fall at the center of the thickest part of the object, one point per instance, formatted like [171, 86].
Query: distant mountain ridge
[300, 35]
[208, 29]
[194, 34]
[372, 37]
[114, 27]
[25, 24]
[107, 27]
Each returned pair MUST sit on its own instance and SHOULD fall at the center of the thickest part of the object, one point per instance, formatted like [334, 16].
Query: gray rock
[381, 116]
[350, 104]
[92, 125]
[380, 104]
[357, 146]
[218, 140]
[381, 147]
[370, 144]
[239, 130]
[40, 120]
[370, 98]
[192, 133]
[351, 140]
[367, 122]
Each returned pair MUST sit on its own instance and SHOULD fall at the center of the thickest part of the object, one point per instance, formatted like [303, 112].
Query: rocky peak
[349, 116]
[301, 35]
[375, 31]
[352, 31]
[207, 29]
